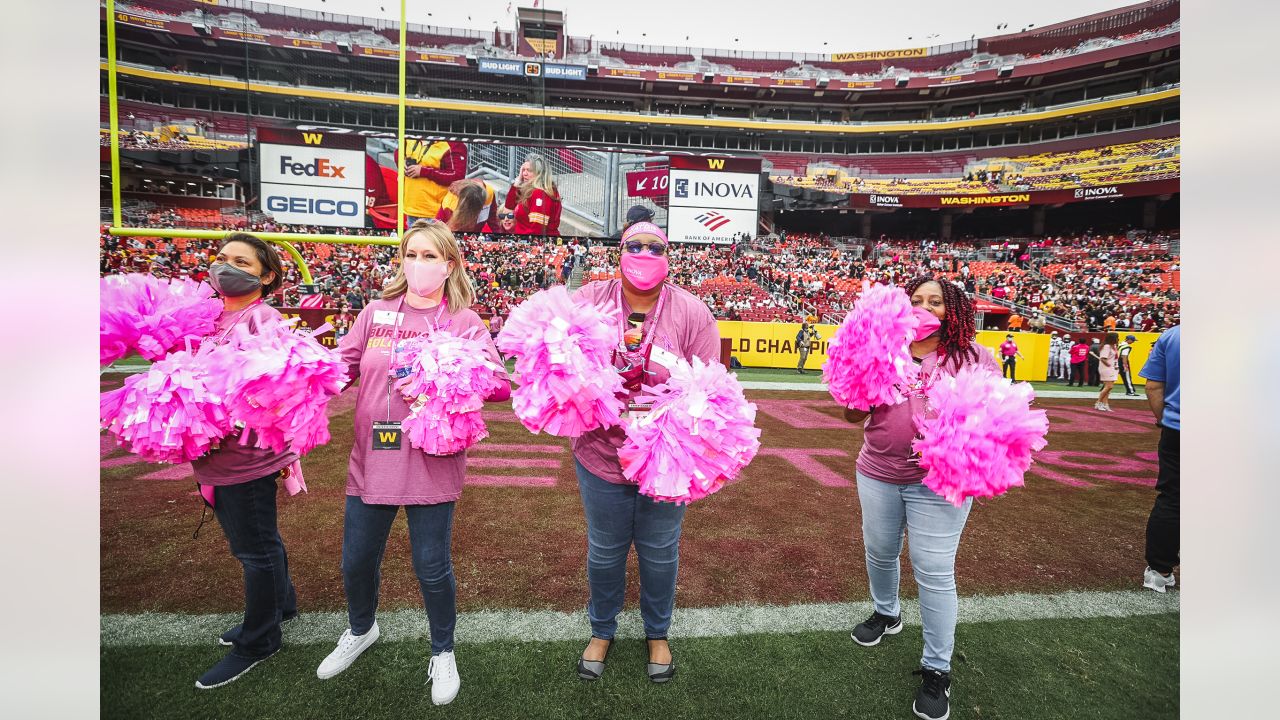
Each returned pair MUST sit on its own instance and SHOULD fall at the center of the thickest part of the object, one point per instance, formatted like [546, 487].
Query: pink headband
[646, 228]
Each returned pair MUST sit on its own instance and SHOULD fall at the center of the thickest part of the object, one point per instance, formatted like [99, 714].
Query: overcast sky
[791, 25]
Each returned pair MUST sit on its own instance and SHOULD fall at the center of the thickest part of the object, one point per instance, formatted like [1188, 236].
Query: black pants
[1094, 380]
[1010, 366]
[1077, 375]
[1162, 526]
[1127, 378]
[247, 514]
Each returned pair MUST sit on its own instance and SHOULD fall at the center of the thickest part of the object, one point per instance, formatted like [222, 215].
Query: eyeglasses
[505, 216]
[656, 249]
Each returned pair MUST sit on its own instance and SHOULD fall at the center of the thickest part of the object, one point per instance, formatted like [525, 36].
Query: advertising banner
[721, 190]
[870, 55]
[773, 345]
[1008, 199]
[312, 185]
[552, 71]
[313, 205]
[496, 66]
[647, 183]
[708, 225]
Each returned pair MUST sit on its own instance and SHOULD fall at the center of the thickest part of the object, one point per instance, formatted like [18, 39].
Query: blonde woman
[534, 199]
[430, 290]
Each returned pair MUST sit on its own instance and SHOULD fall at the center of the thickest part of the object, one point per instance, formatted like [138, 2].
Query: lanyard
[653, 320]
[395, 346]
[223, 337]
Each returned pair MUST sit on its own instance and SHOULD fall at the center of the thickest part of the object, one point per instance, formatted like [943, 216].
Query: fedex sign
[320, 167]
[312, 166]
[310, 185]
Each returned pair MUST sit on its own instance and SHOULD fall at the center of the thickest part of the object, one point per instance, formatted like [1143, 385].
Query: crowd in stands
[1092, 282]
[153, 140]
[1157, 159]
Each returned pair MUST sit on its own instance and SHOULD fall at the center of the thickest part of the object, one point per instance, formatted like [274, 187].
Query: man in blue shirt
[1162, 372]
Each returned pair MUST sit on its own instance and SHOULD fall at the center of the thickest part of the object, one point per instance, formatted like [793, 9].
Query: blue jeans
[934, 526]
[617, 516]
[364, 541]
[247, 514]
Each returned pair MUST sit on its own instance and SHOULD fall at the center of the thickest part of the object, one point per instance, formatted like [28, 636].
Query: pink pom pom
[700, 434]
[152, 316]
[563, 351]
[449, 376]
[979, 433]
[277, 383]
[869, 358]
[168, 413]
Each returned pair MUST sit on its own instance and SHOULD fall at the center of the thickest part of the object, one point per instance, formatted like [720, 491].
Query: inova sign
[719, 190]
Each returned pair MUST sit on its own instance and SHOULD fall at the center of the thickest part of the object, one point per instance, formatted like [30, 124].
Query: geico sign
[312, 206]
[1086, 193]
[320, 167]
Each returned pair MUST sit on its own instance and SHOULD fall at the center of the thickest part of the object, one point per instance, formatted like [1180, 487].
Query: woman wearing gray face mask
[239, 480]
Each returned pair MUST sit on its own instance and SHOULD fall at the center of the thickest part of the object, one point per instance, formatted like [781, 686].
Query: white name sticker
[387, 317]
[663, 357]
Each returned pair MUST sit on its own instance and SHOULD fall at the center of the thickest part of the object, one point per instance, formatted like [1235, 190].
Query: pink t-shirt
[1079, 353]
[886, 453]
[1008, 348]
[233, 463]
[686, 329]
[407, 476]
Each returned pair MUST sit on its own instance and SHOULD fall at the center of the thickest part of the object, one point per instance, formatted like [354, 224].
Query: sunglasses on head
[656, 249]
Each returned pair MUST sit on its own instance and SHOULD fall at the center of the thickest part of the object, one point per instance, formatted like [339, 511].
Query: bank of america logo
[712, 220]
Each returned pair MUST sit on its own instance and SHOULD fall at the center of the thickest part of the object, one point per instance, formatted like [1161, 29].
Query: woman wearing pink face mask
[431, 290]
[660, 324]
[894, 501]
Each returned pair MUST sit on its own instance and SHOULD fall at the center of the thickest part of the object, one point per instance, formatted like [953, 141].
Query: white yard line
[145, 629]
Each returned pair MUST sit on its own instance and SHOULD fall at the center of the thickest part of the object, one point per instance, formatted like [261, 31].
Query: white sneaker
[349, 648]
[1156, 581]
[442, 673]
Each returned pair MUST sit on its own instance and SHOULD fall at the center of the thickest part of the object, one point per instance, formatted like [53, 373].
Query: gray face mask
[231, 281]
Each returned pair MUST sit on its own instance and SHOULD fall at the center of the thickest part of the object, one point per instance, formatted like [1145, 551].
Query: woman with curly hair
[534, 198]
[894, 500]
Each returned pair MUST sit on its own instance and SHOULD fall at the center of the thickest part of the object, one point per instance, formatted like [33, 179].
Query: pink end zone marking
[802, 414]
[805, 460]
[1101, 467]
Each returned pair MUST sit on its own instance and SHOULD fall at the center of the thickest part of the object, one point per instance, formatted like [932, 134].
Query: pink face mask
[424, 277]
[929, 323]
[643, 270]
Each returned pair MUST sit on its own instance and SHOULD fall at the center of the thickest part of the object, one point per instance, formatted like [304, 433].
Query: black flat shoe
[659, 672]
[593, 669]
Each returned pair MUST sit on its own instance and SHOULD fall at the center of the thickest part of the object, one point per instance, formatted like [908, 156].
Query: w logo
[715, 163]
[312, 138]
[712, 220]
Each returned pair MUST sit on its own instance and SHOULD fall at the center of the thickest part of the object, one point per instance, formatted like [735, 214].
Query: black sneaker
[933, 699]
[228, 638]
[228, 670]
[868, 633]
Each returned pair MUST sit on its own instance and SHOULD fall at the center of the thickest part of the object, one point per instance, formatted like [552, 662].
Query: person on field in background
[1126, 372]
[429, 169]
[1079, 354]
[804, 342]
[1095, 350]
[1010, 356]
[1163, 371]
[1108, 359]
[1055, 367]
[894, 499]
